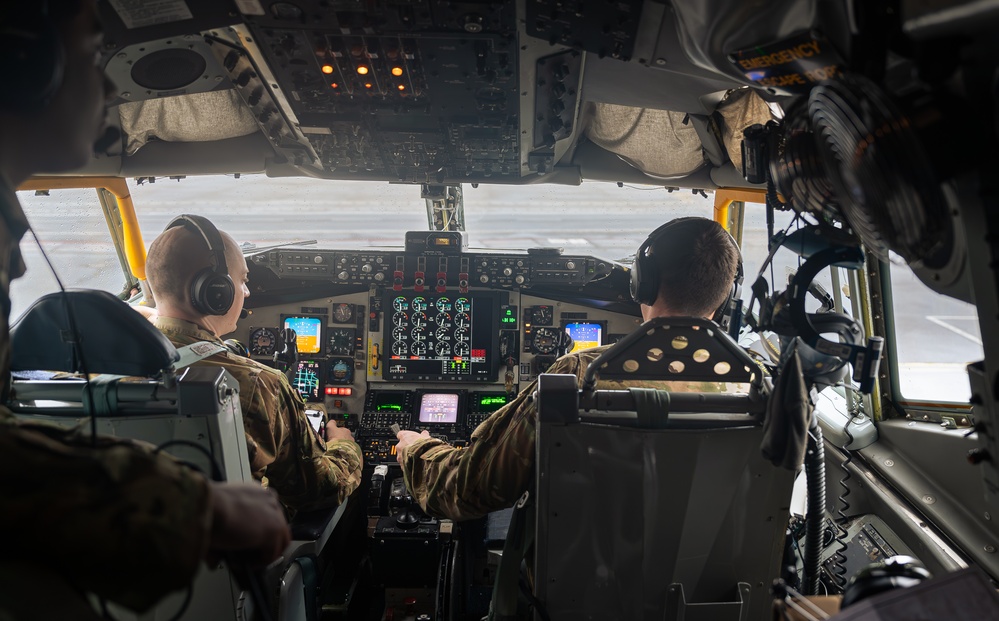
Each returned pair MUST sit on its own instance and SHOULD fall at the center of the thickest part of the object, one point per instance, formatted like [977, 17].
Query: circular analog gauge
[399, 348]
[545, 341]
[443, 319]
[462, 320]
[419, 348]
[341, 371]
[344, 313]
[398, 333]
[341, 342]
[443, 304]
[443, 348]
[419, 304]
[262, 341]
[462, 305]
[419, 336]
[400, 304]
[542, 315]
[400, 318]
[461, 334]
[461, 348]
[419, 320]
[441, 333]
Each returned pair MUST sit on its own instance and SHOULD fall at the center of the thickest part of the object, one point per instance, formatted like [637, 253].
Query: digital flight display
[308, 380]
[585, 335]
[309, 331]
[442, 337]
[439, 407]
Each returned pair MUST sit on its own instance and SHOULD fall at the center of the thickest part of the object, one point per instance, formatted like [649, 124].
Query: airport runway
[594, 218]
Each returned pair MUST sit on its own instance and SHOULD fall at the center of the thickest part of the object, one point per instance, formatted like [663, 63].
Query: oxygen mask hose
[815, 478]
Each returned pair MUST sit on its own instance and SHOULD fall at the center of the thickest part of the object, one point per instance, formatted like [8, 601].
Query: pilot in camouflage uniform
[498, 464]
[100, 515]
[693, 263]
[285, 452]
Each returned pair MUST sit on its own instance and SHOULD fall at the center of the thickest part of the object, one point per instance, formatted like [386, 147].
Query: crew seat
[657, 504]
[145, 390]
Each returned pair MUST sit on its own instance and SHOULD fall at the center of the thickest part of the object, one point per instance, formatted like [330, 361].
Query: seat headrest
[113, 338]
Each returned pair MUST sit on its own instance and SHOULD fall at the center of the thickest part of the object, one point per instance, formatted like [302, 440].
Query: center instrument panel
[426, 339]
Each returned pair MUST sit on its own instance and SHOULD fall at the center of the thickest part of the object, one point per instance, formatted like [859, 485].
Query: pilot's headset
[32, 59]
[645, 272]
[212, 290]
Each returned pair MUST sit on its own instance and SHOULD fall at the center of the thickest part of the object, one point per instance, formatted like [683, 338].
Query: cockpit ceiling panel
[414, 92]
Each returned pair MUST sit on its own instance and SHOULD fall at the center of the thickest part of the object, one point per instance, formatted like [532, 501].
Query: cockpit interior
[849, 147]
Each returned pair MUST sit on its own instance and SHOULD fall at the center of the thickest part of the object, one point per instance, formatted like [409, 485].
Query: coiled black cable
[815, 479]
[838, 568]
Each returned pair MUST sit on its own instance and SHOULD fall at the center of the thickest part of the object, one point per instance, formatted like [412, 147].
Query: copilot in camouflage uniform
[285, 452]
[113, 519]
[498, 464]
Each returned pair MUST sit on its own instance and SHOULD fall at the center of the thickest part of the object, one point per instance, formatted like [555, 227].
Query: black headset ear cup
[212, 293]
[31, 59]
[644, 276]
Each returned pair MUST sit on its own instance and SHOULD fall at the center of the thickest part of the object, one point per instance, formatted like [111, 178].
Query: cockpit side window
[936, 337]
[74, 233]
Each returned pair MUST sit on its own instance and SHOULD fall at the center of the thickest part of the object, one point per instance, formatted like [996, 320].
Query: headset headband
[211, 235]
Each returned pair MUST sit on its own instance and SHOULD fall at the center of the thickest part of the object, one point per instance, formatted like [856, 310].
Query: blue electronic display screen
[585, 335]
[309, 331]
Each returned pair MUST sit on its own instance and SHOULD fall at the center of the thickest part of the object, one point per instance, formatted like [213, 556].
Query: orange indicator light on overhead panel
[401, 87]
[334, 85]
[367, 85]
[327, 69]
[397, 71]
[362, 70]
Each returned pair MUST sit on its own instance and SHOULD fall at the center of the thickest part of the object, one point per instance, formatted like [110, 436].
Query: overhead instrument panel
[415, 91]
[441, 337]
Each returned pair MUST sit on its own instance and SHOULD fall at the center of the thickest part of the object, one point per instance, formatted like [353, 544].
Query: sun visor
[197, 117]
[664, 143]
[657, 142]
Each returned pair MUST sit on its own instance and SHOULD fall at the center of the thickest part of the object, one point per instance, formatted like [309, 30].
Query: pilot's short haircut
[174, 258]
[697, 264]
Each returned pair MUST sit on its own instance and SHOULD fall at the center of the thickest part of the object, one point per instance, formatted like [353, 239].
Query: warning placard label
[790, 66]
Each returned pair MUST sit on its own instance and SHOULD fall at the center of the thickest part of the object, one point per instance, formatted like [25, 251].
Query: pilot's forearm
[342, 462]
[490, 474]
[124, 523]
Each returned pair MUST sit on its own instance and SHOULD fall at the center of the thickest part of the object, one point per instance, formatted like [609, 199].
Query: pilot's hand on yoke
[405, 439]
[248, 524]
[334, 432]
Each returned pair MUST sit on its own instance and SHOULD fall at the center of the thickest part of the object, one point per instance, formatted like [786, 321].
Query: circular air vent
[879, 170]
[168, 69]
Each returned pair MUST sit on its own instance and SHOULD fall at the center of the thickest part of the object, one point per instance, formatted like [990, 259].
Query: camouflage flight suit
[285, 452]
[498, 464]
[114, 520]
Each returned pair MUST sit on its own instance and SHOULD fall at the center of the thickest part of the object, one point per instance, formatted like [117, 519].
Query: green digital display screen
[508, 316]
[389, 402]
[490, 402]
